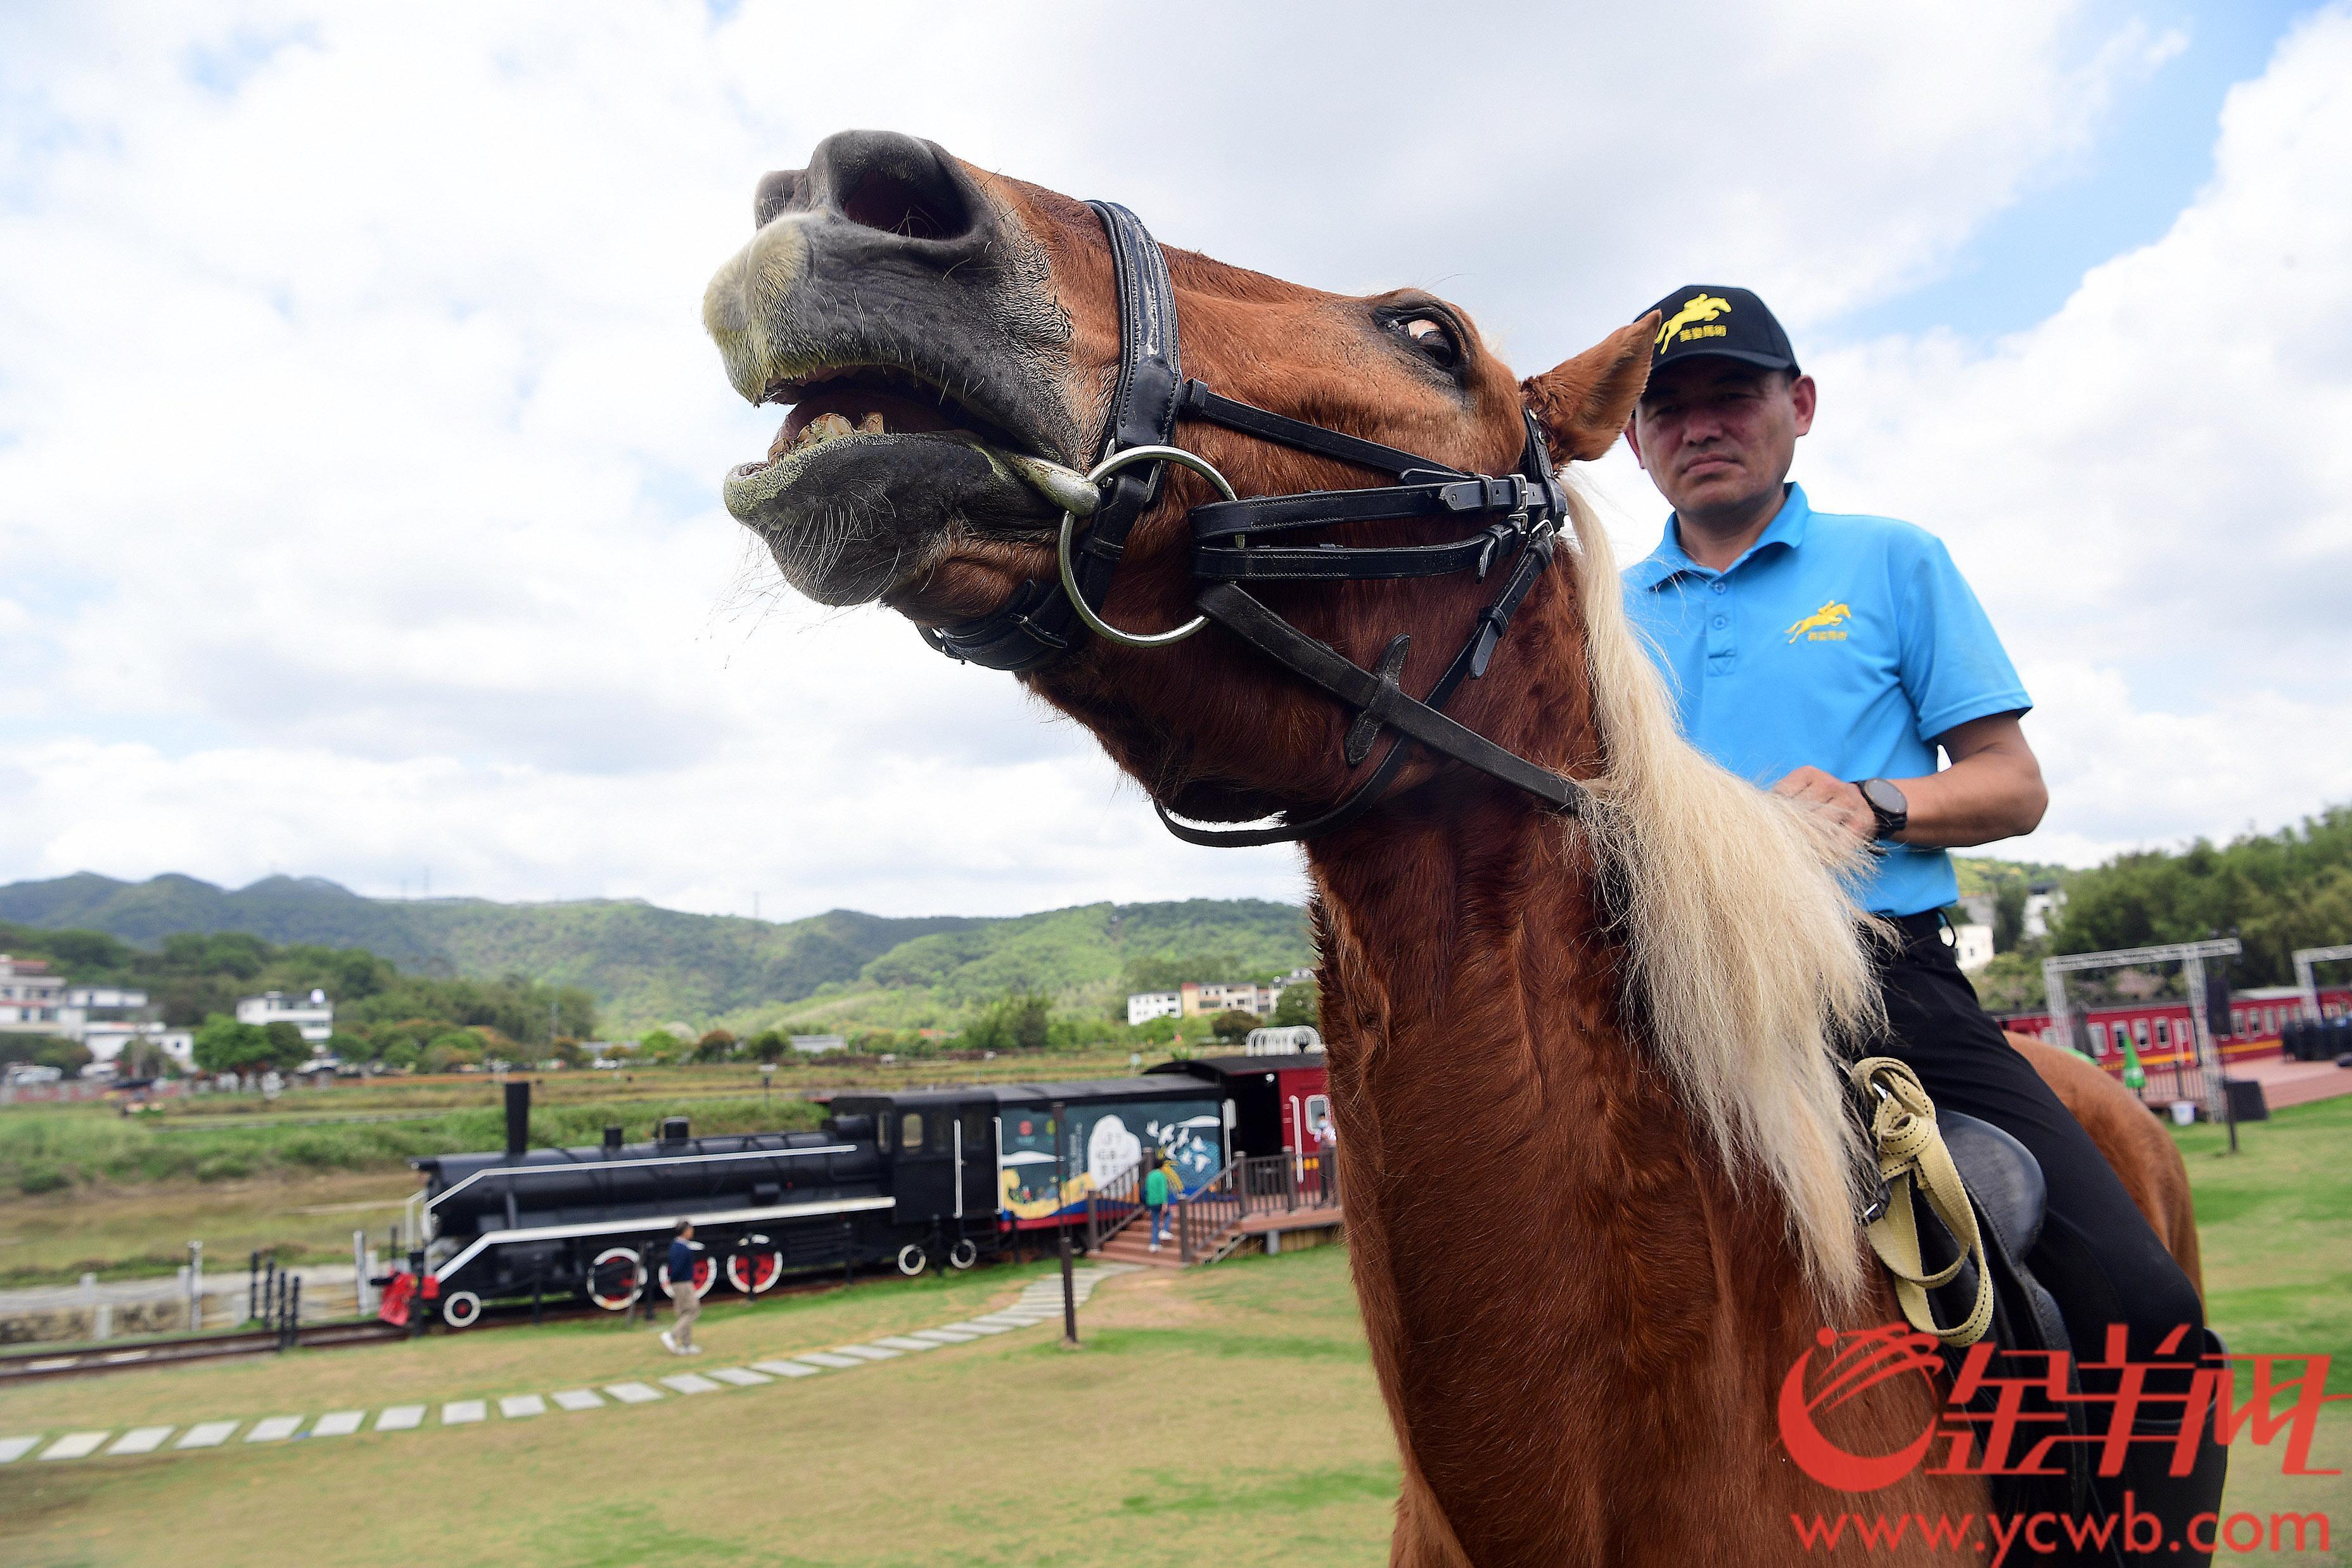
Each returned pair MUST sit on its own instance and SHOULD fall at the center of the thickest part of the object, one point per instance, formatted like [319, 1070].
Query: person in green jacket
[1155, 1198]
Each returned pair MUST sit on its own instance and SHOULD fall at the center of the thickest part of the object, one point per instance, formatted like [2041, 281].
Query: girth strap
[1911, 1156]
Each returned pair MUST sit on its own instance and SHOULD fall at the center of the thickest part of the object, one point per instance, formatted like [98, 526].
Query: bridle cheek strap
[1528, 507]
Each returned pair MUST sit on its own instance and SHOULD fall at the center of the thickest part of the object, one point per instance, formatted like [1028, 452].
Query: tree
[143, 1058]
[456, 1047]
[1233, 1024]
[718, 1045]
[2007, 914]
[287, 1046]
[44, 1050]
[1300, 1004]
[1029, 1018]
[659, 1045]
[769, 1045]
[225, 1045]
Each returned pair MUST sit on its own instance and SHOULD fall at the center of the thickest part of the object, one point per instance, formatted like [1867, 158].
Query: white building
[819, 1044]
[314, 1015]
[1207, 998]
[1972, 945]
[32, 997]
[105, 1041]
[1145, 1006]
[2044, 900]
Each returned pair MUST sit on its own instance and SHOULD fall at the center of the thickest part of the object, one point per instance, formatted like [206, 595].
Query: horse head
[949, 341]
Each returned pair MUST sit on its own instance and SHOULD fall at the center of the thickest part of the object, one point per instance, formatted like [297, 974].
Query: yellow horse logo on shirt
[1817, 626]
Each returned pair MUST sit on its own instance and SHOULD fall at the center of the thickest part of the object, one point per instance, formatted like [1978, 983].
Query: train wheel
[461, 1309]
[705, 1274]
[963, 1254]
[617, 1278]
[912, 1260]
[754, 1265]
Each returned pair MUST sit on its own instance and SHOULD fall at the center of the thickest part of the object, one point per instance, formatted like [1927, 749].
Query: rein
[1524, 511]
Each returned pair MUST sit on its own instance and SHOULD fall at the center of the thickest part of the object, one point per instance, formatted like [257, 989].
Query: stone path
[1040, 1301]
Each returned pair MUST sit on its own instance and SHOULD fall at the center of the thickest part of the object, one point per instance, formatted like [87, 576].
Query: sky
[360, 445]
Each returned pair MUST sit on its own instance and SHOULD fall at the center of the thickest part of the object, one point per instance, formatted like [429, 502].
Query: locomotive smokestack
[518, 1119]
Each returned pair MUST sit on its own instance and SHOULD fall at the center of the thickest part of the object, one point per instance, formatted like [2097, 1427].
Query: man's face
[1716, 435]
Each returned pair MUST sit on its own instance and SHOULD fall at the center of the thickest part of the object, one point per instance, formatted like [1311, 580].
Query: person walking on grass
[1155, 1198]
[684, 1253]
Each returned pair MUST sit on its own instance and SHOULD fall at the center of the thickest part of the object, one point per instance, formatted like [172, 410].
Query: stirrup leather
[1912, 1156]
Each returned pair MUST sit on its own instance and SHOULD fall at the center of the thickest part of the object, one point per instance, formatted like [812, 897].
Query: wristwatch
[1887, 803]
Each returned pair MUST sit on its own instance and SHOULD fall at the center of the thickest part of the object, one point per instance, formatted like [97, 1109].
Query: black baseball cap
[1710, 320]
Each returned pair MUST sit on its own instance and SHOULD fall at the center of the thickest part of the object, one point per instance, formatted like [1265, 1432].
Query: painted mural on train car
[1103, 1143]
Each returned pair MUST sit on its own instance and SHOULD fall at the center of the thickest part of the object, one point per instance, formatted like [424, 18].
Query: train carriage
[916, 1178]
[1277, 1100]
[999, 1139]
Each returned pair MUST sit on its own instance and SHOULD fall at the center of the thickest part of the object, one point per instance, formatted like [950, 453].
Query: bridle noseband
[1044, 620]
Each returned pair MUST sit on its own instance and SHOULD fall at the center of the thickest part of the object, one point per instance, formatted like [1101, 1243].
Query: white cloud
[359, 443]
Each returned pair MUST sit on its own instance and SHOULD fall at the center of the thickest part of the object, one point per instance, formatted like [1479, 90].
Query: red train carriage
[1277, 1100]
[2161, 1032]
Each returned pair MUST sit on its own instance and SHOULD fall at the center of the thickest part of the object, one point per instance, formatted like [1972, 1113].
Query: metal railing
[1113, 1204]
[1209, 1219]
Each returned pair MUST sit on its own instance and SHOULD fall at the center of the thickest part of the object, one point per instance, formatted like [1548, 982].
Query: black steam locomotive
[944, 1175]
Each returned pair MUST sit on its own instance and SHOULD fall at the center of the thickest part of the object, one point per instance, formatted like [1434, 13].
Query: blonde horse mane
[1747, 963]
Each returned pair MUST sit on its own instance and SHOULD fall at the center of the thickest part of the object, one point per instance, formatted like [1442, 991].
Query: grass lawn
[1225, 1415]
[116, 1231]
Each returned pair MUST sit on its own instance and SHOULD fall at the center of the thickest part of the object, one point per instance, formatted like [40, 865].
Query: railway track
[18, 1366]
[32, 1365]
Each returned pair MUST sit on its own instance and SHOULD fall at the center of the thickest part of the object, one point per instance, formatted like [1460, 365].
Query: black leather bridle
[1526, 511]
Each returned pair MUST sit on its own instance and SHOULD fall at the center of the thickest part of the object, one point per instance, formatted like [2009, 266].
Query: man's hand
[1992, 791]
[1835, 799]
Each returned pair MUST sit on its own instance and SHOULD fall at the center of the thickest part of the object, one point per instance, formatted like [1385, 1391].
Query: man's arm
[1993, 789]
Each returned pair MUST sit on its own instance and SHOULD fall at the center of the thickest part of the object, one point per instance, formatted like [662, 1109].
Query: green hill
[649, 965]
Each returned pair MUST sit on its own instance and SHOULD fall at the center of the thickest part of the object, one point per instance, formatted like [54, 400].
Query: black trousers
[2097, 1255]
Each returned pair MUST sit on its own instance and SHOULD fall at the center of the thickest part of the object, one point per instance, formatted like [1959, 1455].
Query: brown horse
[1600, 1194]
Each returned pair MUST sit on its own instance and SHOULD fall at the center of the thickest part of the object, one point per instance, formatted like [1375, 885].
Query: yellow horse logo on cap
[1831, 614]
[1701, 308]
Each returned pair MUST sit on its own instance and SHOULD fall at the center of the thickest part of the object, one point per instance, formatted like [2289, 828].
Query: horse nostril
[895, 206]
[778, 192]
[892, 184]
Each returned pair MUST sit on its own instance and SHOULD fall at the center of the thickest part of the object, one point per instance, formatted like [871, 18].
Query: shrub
[1233, 1024]
[1298, 1004]
[36, 1179]
[223, 1167]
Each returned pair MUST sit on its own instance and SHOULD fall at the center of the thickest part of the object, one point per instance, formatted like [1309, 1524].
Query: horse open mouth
[876, 469]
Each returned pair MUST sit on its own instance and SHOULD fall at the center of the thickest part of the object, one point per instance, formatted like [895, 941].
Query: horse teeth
[872, 425]
[824, 427]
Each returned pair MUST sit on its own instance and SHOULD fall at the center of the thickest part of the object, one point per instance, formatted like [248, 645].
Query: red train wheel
[617, 1278]
[705, 1274]
[754, 1265]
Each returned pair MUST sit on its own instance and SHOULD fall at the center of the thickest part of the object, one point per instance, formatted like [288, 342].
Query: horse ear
[1583, 403]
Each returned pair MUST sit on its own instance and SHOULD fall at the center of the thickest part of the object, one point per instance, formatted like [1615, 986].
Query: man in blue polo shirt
[1829, 657]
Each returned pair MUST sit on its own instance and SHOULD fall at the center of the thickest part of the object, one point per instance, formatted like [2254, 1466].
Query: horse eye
[1432, 338]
